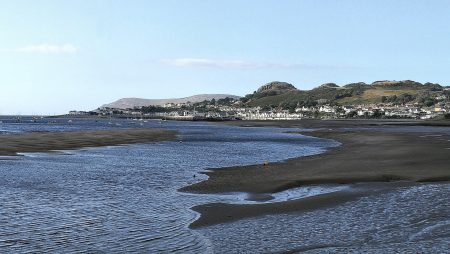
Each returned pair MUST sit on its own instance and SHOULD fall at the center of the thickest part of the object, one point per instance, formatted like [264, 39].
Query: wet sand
[216, 213]
[364, 156]
[12, 144]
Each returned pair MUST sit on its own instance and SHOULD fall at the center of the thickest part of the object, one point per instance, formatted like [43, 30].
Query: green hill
[283, 94]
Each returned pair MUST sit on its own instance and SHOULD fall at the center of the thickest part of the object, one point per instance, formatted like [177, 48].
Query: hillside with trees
[285, 95]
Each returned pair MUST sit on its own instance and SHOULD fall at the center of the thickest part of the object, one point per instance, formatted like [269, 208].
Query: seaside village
[234, 111]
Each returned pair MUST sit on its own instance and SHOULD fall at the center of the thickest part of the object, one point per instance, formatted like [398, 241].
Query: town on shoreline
[219, 112]
[282, 101]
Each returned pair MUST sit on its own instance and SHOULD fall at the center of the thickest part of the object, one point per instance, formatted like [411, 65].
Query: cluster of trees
[427, 98]
[199, 106]
[427, 101]
[291, 105]
[247, 97]
[433, 86]
[447, 94]
[153, 109]
[227, 101]
[400, 99]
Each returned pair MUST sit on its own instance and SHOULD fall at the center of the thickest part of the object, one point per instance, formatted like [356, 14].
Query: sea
[125, 198]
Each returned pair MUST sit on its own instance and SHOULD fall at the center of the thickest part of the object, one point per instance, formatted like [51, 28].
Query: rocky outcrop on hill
[276, 86]
[328, 85]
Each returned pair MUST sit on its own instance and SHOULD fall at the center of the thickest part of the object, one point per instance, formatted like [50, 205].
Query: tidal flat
[52, 141]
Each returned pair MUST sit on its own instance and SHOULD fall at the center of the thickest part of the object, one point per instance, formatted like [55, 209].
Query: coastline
[365, 155]
[12, 144]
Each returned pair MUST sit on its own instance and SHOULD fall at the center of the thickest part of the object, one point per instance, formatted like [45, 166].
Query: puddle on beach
[243, 198]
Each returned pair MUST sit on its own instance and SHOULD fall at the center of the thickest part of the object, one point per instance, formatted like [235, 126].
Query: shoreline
[12, 144]
[364, 156]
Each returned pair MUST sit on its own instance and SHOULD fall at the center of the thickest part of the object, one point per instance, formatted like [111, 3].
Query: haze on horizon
[56, 56]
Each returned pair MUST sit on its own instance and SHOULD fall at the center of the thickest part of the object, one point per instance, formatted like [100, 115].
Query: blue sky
[61, 55]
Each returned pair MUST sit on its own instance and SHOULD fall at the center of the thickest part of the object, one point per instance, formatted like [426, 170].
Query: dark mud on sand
[48, 141]
[369, 153]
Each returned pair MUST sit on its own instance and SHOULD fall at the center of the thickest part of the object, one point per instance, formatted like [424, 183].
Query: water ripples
[125, 199]
[408, 219]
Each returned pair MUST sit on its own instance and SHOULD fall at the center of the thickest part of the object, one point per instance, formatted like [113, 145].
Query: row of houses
[257, 113]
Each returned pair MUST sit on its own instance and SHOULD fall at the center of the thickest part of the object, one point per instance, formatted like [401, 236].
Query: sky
[57, 56]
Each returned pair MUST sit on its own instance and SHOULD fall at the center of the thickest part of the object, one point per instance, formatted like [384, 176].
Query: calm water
[125, 199]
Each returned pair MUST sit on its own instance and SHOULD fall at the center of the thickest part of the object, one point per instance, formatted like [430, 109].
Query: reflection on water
[125, 198]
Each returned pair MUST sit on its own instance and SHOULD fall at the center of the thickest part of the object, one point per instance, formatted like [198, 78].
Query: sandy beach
[365, 155]
[49, 141]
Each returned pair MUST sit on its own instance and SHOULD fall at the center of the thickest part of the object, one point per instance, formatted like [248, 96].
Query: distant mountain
[138, 102]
